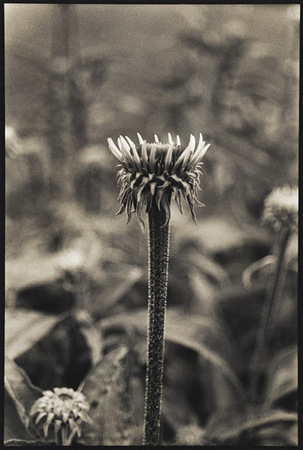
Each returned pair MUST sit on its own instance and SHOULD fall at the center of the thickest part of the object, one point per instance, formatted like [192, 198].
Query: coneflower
[280, 216]
[62, 411]
[150, 175]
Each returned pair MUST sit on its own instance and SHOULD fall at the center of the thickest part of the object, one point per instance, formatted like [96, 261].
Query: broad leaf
[14, 428]
[65, 354]
[21, 390]
[115, 287]
[24, 328]
[25, 443]
[239, 426]
[91, 334]
[282, 373]
[106, 390]
[199, 334]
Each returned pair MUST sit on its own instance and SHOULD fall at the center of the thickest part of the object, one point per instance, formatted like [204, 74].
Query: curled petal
[168, 157]
[135, 153]
[141, 140]
[186, 153]
[114, 149]
[125, 149]
[40, 416]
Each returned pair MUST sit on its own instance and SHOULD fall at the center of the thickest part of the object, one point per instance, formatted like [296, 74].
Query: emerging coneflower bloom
[62, 409]
[151, 172]
[281, 208]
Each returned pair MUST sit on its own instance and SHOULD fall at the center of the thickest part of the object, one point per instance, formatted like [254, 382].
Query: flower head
[61, 408]
[152, 172]
[281, 208]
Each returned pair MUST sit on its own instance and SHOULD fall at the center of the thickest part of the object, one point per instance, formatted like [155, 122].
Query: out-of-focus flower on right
[281, 209]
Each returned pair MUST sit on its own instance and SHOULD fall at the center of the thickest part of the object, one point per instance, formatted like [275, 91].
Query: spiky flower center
[62, 407]
[281, 209]
[152, 172]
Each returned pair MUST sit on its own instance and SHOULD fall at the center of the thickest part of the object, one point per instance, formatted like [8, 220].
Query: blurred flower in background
[281, 208]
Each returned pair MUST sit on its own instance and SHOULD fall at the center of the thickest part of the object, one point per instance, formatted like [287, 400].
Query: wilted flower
[151, 172]
[281, 208]
[64, 410]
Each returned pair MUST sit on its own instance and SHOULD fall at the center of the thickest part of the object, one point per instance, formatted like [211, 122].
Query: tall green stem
[158, 255]
[268, 314]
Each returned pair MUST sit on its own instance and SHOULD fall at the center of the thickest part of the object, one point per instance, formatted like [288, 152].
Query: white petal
[168, 157]
[199, 148]
[192, 143]
[124, 143]
[199, 153]
[186, 153]
[205, 150]
[125, 149]
[131, 143]
[170, 139]
[156, 138]
[152, 157]
[144, 155]
[178, 140]
[136, 156]
[114, 149]
[141, 140]
[200, 143]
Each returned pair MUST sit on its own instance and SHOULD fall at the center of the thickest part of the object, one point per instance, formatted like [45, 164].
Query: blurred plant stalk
[66, 118]
[268, 314]
[280, 214]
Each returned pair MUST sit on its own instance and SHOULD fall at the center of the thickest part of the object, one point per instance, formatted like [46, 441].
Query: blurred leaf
[214, 234]
[24, 328]
[184, 401]
[282, 374]
[232, 427]
[91, 334]
[105, 388]
[64, 355]
[116, 286]
[203, 262]
[191, 331]
[14, 428]
[204, 294]
[22, 392]
[24, 443]
[30, 268]
[265, 264]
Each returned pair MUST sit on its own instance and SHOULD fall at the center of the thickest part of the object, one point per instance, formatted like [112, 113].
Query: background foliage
[76, 276]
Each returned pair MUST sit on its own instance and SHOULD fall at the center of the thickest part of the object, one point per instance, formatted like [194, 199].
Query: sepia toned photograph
[151, 224]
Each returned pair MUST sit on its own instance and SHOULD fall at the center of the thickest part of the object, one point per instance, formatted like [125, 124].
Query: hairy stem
[268, 315]
[158, 255]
